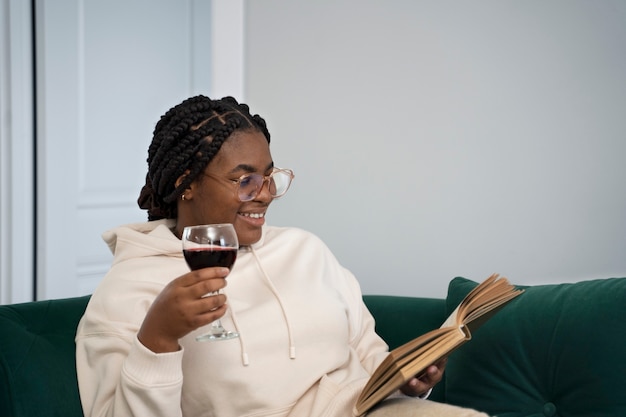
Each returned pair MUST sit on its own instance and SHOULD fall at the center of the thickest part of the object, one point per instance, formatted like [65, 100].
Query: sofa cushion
[556, 350]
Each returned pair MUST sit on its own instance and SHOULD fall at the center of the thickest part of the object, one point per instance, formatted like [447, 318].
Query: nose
[264, 194]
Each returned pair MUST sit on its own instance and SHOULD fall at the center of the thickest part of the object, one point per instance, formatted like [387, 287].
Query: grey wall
[435, 138]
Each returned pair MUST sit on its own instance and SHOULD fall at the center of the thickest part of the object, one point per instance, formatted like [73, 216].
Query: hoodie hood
[145, 239]
[149, 239]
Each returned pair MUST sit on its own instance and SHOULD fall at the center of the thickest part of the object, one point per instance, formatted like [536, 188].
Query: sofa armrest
[37, 358]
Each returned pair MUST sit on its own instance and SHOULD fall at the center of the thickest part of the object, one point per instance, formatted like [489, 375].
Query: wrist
[158, 344]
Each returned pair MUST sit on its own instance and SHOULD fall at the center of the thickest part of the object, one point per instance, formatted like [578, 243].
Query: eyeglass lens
[250, 186]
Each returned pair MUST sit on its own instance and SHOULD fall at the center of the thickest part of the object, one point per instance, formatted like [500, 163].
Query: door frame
[17, 166]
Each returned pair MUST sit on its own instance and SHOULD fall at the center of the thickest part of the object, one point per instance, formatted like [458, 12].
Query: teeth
[254, 215]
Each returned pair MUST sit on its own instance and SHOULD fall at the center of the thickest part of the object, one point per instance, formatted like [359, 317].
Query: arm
[118, 378]
[129, 363]
[369, 349]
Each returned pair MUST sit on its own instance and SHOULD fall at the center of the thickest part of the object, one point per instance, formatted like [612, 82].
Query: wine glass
[206, 246]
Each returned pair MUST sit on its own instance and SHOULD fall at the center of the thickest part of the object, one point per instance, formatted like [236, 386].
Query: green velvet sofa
[557, 350]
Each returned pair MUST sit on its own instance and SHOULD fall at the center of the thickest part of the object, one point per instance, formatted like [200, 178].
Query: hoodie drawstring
[244, 355]
[292, 347]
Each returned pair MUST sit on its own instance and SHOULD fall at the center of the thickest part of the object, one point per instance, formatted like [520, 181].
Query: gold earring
[182, 197]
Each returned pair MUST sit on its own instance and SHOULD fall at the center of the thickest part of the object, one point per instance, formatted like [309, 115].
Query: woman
[307, 343]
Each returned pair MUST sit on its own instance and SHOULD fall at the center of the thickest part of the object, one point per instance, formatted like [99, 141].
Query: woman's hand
[182, 307]
[423, 383]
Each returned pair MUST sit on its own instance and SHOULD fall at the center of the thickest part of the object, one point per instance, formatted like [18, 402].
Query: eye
[245, 181]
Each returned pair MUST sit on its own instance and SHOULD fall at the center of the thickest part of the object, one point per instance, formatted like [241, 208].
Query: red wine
[198, 258]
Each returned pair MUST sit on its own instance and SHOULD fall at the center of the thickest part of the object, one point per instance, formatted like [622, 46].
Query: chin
[248, 239]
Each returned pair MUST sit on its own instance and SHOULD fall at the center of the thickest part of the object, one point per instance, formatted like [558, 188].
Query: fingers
[422, 383]
[193, 277]
[432, 375]
[194, 295]
[203, 281]
[208, 305]
[415, 387]
[185, 304]
[209, 316]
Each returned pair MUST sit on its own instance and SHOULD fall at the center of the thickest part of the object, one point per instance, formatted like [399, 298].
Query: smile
[253, 215]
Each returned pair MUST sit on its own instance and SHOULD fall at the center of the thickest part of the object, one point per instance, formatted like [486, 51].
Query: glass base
[216, 335]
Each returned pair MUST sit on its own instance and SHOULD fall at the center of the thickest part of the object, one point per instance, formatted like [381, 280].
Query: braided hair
[186, 138]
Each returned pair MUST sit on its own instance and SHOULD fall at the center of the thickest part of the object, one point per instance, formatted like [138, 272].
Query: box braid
[186, 138]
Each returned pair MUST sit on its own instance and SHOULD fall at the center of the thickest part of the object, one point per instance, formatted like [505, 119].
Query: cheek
[217, 209]
[222, 213]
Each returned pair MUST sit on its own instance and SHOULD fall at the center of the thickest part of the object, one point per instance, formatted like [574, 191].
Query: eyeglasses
[249, 185]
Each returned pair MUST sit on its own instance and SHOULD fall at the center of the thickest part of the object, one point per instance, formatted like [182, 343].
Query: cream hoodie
[307, 342]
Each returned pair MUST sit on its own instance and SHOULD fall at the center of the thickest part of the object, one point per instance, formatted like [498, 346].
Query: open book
[414, 357]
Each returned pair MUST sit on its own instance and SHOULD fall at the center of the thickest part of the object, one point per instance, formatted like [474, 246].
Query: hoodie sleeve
[117, 375]
[121, 379]
[369, 346]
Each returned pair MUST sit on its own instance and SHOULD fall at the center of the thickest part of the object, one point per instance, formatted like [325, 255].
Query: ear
[188, 193]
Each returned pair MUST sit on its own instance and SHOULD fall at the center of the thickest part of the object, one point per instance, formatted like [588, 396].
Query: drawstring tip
[292, 352]
[244, 359]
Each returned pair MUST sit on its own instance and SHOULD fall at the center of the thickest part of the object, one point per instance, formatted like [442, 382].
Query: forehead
[243, 151]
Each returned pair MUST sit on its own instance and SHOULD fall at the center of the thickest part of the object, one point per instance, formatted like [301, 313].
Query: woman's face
[213, 199]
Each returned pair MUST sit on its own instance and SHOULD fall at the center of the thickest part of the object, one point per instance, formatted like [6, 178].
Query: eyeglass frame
[266, 179]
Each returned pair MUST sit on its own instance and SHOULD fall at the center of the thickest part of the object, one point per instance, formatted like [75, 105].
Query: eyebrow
[250, 168]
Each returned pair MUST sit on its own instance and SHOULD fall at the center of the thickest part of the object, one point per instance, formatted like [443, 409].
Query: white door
[105, 72]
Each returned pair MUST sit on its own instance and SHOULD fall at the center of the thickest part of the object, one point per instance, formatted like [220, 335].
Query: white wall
[16, 153]
[430, 138]
[439, 138]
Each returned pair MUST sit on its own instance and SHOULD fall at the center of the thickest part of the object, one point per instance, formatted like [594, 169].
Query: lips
[253, 215]
[253, 219]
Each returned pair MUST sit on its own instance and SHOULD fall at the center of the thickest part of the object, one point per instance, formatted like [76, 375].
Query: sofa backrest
[556, 350]
[37, 350]
[400, 319]
[37, 358]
